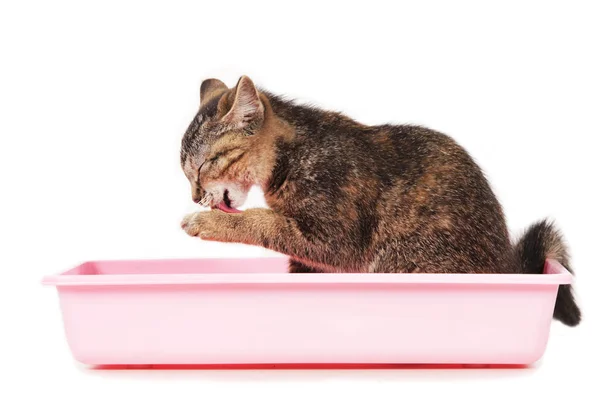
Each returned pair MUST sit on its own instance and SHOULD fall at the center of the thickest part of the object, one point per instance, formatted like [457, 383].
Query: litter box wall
[276, 318]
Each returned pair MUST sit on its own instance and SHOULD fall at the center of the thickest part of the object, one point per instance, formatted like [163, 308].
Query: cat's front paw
[207, 225]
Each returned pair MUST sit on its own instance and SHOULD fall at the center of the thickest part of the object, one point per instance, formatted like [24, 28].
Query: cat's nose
[197, 193]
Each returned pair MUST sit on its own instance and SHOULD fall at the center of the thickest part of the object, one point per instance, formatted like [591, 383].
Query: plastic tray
[250, 311]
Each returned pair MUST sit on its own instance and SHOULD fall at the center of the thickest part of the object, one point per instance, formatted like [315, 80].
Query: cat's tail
[543, 241]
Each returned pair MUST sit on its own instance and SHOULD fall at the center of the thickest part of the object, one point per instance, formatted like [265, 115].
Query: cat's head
[218, 146]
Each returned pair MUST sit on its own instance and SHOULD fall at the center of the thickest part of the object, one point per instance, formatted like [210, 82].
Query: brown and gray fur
[347, 197]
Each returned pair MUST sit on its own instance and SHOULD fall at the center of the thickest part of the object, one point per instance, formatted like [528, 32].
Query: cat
[347, 197]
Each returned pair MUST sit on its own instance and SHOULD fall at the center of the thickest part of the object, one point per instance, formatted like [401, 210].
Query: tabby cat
[347, 197]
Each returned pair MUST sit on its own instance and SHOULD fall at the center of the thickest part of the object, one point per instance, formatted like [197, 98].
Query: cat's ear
[209, 87]
[247, 110]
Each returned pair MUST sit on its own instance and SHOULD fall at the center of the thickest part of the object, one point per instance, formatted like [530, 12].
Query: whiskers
[206, 200]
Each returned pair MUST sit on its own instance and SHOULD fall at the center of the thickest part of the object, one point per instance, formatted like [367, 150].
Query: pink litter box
[251, 312]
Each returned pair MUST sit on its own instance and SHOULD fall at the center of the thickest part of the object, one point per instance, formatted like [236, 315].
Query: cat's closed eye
[216, 157]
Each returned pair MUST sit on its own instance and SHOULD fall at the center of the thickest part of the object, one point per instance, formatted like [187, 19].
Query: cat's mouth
[226, 205]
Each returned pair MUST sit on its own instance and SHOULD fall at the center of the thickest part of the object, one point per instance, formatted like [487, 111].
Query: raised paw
[207, 225]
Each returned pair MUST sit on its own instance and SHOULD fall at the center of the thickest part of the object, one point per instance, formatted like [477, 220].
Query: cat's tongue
[223, 207]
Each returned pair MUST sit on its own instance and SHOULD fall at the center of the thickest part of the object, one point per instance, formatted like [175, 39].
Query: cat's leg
[438, 252]
[296, 266]
[265, 228]
[393, 258]
[416, 254]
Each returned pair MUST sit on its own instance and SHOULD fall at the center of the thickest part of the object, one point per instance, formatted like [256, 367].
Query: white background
[94, 100]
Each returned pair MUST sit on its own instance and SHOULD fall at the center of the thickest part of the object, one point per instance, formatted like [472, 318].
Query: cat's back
[440, 194]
